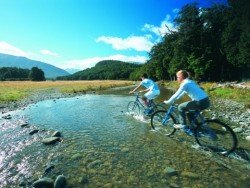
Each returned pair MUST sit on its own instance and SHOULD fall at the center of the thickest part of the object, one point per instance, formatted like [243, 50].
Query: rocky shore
[233, 112]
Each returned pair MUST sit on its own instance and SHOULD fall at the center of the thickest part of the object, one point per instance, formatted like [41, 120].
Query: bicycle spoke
[133, 108]
[161, 124]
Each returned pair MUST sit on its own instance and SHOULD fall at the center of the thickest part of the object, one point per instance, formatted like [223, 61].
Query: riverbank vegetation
[17, 90]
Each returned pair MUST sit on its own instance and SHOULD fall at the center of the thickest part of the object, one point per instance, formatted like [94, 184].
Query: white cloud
[91, 62]
[48, 52]
[138, 43]
[161, 30]
[7, 48]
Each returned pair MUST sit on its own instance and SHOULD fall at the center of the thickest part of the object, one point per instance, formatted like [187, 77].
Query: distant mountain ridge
[50, 71]
[105, 70]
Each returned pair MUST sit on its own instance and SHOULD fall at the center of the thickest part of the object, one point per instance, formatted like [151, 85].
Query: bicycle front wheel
[217, 136]
[133, 108]
[162, 123]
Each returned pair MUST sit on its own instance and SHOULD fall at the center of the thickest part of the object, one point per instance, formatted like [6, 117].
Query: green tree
[36, 74]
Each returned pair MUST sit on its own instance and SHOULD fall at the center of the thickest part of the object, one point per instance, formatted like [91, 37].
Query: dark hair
[144, 75]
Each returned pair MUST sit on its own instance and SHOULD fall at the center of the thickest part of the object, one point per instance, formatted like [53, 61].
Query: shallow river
[103, 146]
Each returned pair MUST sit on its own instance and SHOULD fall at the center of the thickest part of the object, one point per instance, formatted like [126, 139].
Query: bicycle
[209, 133]
[135, 107]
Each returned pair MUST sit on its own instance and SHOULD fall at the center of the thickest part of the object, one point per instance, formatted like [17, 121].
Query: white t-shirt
[150, 84]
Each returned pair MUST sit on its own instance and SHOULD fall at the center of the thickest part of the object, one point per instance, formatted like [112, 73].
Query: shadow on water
[103, 146]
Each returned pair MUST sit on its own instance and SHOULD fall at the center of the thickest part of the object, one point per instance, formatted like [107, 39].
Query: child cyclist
[152, 91]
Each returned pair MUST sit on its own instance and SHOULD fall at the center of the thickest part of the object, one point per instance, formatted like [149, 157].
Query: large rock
[43, 182]
[60, 182]
[51, 140]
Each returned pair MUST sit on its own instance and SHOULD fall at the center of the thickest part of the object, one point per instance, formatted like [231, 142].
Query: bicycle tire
[217, 136]
[165, 126]
[133, 108]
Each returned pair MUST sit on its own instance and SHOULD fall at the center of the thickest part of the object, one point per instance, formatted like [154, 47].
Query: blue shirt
[149, 84]
[190, 88]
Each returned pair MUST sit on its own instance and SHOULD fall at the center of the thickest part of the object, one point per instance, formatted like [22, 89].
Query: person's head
[143, 76]
[182, 75]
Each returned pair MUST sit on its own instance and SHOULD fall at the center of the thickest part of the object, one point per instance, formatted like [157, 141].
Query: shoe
[179, 126]
[188, 131]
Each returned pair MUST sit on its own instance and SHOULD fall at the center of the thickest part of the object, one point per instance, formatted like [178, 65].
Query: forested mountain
[25, 63]
[13, 73]
[104, 70]
[212, 43]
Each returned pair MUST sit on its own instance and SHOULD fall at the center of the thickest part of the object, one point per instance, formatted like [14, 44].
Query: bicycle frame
[172, 110]
[138, 97]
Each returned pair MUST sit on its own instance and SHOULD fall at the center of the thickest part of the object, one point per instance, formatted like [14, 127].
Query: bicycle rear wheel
[160, 123]
[133, 108]
[217, 136]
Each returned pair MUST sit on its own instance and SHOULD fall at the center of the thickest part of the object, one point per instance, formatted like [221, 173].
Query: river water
[103, 146]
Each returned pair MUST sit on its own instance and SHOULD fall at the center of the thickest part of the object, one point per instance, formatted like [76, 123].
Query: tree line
[19, 74]
[211, 43]
[104, 70]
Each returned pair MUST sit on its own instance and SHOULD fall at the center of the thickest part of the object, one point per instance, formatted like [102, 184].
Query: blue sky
[80, 33]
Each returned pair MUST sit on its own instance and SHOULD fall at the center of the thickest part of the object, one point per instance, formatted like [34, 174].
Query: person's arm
[179, 93]
[134, 90]
[145, 90]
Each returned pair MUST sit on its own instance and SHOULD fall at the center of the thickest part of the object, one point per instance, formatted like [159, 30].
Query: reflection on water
[103, 146]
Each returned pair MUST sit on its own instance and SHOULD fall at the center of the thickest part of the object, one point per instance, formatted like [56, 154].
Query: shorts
[152, 94]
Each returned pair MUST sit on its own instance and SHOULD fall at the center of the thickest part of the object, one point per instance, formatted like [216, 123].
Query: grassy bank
[241, 95]
[17, 90]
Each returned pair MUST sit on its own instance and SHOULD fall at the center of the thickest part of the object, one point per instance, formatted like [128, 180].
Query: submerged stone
[33, 132]
[50, 140]
[43, 182]
[24, 125]
[60, 182]
[56, 134]
[170, 171]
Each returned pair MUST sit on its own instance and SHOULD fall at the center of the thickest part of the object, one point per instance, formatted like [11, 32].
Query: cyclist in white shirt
[152, 90]
[200, 99]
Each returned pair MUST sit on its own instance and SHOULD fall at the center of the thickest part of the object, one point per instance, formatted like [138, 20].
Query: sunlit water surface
[103, 146]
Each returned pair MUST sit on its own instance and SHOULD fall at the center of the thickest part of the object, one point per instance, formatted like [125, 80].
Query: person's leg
[182, 110]
[145, 100]
[191, 105]
[151, 95]
[204, 104]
